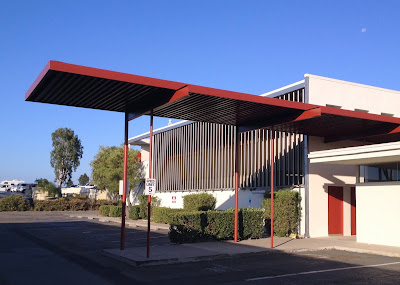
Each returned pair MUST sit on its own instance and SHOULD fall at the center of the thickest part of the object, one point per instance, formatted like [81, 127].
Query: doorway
[335, 210]
[353, 210]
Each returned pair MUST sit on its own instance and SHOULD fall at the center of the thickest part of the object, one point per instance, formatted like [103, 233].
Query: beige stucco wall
[351, 95]
[378, 212]
[320, 177]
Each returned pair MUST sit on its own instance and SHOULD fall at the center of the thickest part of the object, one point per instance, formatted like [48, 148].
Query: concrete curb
[176, 260]
[219, 256]
[128, 223]
[349, 249]
[367, 251]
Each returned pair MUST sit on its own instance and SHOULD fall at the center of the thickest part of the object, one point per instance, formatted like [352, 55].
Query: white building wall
[351, 95]
[378, 212]
[224, 199]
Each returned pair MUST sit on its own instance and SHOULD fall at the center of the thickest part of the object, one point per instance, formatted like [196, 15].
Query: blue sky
[245, 46]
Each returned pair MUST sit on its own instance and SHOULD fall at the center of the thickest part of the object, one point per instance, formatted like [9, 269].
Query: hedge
[163, 214]
[14, 203]
[70, 204]
[134, 212]
[199, 202]
[215, 225]
[287, 211]
[187, 227]
[111, 210]
[104, 210]
[143, 202]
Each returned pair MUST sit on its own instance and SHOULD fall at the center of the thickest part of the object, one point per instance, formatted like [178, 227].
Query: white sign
[121, 187]
[150, 186]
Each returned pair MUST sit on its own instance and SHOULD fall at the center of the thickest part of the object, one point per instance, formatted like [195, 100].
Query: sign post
[150, 186]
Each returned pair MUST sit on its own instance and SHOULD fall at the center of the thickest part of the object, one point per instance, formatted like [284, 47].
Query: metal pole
[149, 196]
[272, 184]
[237, 184]
[125, 174]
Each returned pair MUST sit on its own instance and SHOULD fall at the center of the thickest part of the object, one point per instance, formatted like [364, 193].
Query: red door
[335, 210]
[353, 210]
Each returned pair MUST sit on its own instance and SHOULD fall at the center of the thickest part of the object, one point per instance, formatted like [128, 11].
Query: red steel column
[149, 196]
[237, 184]
[125, 175]
[272, 184]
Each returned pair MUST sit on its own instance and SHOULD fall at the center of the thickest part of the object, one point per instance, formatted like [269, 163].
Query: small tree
[83, 179]
[107, 168]
[66, 154]
[47, 186]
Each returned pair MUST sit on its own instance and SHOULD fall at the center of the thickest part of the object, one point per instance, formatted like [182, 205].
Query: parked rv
[5, 188]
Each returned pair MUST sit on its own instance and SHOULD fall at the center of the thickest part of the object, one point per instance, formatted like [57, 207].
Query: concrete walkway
[175, 253]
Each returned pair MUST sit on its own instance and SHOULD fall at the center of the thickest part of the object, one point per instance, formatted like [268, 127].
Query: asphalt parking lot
[51, 247]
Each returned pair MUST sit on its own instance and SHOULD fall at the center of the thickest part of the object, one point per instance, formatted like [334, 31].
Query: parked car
[13, 188]
[21, 187]
[5, 188]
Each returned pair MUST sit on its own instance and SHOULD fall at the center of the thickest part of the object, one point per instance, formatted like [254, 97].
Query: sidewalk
[175, 253]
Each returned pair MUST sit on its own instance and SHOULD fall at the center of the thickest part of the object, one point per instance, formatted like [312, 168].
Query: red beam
[236, 223]
[309, 114]
[272, 184]
[125, 175]
[149, 196]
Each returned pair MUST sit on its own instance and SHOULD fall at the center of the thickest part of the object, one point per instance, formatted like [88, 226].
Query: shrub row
[69, 204]
[287, 211]
[163, 214]
[218, 225]
[111, 210]
[143, 205]
[199, 202]
[14, 203]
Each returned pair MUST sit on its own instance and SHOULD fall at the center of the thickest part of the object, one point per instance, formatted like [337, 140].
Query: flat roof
[80, 86]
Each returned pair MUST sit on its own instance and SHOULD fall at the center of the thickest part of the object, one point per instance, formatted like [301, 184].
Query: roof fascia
[42, 74]
[249, 98]
[359, 115]
[102, 73]
[285, 89]
[308, 114]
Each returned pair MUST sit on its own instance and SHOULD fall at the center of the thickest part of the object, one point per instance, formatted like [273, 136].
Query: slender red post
[149, 196]
[237, 184]
[272, 184]
[125, 175]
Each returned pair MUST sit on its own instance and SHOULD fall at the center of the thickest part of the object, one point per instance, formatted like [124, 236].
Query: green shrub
[14, 203]
[201, 225]
[199, 202]
[251, 223]
[187, 226]
[143, 202]
[95, 204]
[287, 212]
[115, 211]
[220, 224]
[134, 212]
[81, 203]
[105, 210]
[163, 214]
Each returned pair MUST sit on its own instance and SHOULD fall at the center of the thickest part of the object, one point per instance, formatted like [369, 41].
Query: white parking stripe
[322, 271]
